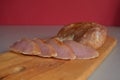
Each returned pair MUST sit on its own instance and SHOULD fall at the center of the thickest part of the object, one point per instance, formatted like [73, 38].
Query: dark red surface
[30, 12]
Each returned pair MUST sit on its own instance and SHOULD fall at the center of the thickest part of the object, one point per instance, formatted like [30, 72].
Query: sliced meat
[63, 51]
[87, 33]
[81, 51]
[46, 49]
[26, 46]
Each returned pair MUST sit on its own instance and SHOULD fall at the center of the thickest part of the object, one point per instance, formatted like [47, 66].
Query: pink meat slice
[81, 51]
[26, 46]
[46, 49]
[63, 51]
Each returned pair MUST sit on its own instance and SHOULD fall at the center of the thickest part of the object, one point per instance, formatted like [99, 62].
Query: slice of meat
[87, 33]
[46, 49]
[26, 46]
[81, 51]
[63, 51]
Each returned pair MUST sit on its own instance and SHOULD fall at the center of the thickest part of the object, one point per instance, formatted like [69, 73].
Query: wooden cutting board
[14, 66]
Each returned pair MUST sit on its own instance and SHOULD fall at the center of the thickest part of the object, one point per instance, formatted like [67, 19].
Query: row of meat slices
[53, 47]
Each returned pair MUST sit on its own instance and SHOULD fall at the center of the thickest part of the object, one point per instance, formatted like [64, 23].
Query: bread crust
[87, 33]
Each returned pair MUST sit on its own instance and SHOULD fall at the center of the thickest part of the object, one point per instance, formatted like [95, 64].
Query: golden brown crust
[87, 33]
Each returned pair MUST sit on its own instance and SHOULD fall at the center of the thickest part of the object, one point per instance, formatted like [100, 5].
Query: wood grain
[14, 66]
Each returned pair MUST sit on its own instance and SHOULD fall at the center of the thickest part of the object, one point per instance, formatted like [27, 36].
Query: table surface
[108, 70]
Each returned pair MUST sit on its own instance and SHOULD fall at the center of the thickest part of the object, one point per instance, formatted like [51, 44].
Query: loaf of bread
[88, 33]
[74, 41]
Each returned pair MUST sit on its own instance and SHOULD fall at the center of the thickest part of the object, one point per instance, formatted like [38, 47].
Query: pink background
[57, 12]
